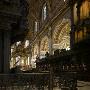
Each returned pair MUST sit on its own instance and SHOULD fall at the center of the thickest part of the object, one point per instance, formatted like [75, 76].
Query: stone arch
[61, 35]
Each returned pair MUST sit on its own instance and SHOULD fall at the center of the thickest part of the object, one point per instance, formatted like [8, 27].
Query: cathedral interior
[44, 44]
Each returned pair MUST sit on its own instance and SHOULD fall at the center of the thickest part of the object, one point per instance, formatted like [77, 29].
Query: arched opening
[61, 35]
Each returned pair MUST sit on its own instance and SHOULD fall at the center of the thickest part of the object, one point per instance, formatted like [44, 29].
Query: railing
[24, 81]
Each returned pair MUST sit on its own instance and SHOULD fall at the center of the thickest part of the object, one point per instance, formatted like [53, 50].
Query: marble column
[6, 51]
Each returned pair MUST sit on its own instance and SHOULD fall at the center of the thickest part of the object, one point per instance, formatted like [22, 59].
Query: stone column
[50, 40]
[6, 51]
[1, 52]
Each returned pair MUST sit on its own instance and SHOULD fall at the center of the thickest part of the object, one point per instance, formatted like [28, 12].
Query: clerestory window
[36, 26]
[44, 12]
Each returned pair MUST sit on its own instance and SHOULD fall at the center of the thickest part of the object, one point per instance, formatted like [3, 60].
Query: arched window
[44, 12]
[36, 26]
